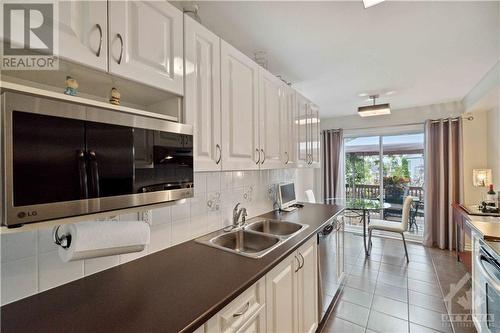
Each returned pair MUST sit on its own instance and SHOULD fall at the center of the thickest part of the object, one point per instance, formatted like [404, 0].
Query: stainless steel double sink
[255, 239]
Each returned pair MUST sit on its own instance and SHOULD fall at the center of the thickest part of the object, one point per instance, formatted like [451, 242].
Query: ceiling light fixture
[375, 109]
[370, 3]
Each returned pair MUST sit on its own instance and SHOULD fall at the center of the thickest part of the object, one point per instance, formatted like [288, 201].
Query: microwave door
[47, 159]
[110, 150]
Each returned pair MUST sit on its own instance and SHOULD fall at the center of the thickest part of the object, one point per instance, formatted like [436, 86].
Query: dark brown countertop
[174, 290]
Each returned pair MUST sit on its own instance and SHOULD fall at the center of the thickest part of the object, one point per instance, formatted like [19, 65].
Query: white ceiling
[428, 52]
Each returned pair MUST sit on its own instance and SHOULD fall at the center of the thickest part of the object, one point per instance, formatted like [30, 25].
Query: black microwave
[63, 159]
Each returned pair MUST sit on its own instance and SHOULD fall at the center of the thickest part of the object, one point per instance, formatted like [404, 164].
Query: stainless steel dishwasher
[330, 263]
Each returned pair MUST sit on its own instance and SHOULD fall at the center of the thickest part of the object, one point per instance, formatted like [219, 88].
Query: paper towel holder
[64, 241]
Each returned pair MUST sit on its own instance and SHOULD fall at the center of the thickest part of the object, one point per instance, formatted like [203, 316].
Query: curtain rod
[409, 124]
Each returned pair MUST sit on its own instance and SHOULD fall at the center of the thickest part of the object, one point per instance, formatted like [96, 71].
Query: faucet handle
[235, 209]
[243, 214]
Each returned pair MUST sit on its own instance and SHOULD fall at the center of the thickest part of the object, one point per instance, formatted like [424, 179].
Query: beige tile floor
[383, 293]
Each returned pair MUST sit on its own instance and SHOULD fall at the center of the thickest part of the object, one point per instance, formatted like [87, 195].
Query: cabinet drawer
[244, 307]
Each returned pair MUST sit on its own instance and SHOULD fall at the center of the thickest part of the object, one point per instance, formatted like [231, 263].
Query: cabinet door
[269, 116]
[340, 248]
[308, 287]
[240, 116]
[83, 32]
[202, 94]
[256, 324]
[281, 296]
[287, 126]
[146, 43]
[314, 135]
[302, 120]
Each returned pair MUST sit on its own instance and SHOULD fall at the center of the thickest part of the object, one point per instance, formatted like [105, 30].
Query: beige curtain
[333, 163]
[443, 180]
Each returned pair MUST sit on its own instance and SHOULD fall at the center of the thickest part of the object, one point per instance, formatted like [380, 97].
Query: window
[387, 169]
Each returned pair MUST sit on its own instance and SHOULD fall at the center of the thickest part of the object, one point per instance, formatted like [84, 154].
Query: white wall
[474, 153]
[483, 101]
[493, 144]
[30, 263]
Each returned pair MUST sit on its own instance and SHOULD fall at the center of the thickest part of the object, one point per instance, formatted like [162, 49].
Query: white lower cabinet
[284, 301]
[247, 313]
[292, 292]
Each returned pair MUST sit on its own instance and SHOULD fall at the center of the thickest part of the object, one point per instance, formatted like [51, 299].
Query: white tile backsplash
[52, 271]
[162, 215]
[30, 262]
[95, 265]
[161, 237]
[18, 279]
[45, 242]
[18, 245]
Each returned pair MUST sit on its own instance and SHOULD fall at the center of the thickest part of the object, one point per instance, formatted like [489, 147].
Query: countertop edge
[217, 307]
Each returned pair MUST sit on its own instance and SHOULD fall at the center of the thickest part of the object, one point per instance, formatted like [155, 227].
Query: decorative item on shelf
[481, 177]
[71, 86]
[115, 96]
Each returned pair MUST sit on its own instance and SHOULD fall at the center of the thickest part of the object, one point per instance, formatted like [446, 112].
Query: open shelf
[94, 90]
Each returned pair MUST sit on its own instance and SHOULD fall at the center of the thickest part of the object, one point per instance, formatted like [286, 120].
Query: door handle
[217, 147]
[263, 156]
[82, 172]
[242, 312]
[298, 261]
[258, 153]
[99, 48]
[121, 49]
[287, 157]
[303, 261]
[94, 174]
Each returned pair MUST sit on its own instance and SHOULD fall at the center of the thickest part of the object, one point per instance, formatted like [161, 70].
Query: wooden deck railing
[373, 191]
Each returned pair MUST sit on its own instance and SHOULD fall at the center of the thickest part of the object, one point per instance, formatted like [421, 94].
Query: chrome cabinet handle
[303, 261]
[98, 53]
[263, 156]
[287, 157]
[121, 50]
[217, 146]
[258, 153]
[242, 312]
[298, 261]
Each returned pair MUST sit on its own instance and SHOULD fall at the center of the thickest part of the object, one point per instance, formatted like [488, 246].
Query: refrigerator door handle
[94, 174]
[82, 172]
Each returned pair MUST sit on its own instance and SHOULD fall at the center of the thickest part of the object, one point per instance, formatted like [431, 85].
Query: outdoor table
[362, 207]
[416, 203]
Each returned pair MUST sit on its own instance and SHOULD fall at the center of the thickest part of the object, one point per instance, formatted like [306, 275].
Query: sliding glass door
[387, 169]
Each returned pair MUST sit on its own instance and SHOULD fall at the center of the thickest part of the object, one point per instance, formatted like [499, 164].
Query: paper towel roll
[100, 239]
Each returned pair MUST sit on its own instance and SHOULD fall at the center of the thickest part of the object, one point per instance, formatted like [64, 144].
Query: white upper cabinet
[202, 94]
[314, 135]
[270, 120]
[302, 142]
[288, 128]
[146, 43]
[83, 33]
[240, 110]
